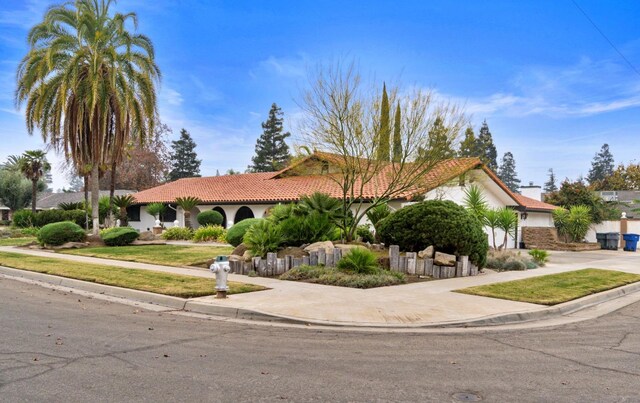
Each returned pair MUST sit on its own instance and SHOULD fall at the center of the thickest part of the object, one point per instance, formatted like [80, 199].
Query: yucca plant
[187, 204]
[156, 209]
[491, 219]
[507, 222]
[122, 202]
[475, 202]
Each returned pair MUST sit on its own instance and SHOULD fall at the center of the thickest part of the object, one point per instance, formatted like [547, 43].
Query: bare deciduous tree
[341, 117]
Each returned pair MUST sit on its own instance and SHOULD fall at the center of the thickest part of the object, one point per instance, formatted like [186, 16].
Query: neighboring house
[625, 200]
[4, 212]
[238, 197]
[48, 201]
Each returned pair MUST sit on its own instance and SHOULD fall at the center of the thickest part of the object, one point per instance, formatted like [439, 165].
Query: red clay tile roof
[533, 204]
[272, 187]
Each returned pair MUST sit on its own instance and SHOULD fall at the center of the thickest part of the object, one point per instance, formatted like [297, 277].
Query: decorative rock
[313, 258]
[420, 267]
[322, 257]
[394, 257]
[428, 267]
[427, 252]
[402, 264]
[435, 273]
[412, 257]
[146, 236]
[71, 245]
[319, 245]
[347, 246]
[329, 260]
[280, 266]
[234, 258]
[443, 259]
[240, 250]
[337, 255]
[247, 255]
[464, 260]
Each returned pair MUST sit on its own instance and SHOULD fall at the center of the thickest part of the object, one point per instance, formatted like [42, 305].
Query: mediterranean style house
[251, 195]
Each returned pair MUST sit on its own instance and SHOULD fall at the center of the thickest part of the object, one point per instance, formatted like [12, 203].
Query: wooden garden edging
[409, 264]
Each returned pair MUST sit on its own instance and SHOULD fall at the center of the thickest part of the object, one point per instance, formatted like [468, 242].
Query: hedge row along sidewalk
[176, 285]
[555, 289]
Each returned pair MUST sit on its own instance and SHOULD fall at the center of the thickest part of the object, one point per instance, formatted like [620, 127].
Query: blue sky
[551, 88]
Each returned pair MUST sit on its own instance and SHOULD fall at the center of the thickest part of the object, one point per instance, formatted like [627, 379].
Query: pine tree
[440, 143]
[397, 135]
[507, 172]
[272, 152]
[550, 184]
[468, 146]
[184, 161]
[385, 127]
[601, 166]
[487, 151]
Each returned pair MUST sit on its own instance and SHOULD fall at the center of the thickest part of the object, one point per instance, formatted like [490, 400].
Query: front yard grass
[169, 255]
[16, 241]
[555, 289]
[144, 280]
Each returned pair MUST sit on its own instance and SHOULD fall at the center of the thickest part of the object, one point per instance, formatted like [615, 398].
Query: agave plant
[122, 202]
[187, 204]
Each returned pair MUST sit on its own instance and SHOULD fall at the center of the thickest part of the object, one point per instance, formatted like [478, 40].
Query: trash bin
[630, 242]
[612, 240]
[601, 237]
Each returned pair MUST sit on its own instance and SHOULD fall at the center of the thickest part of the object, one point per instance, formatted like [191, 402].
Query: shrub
[574, 223]
[539, 256]
[313, 227]
[177, 234]
[77, 216]
[119, 236]
[210, 217]
[359, 261]
[60, 232]
[263, 237]
[210, 233]
[364, 232]
[332, 276]
[5, 222]
[509, 260]
[24, 232]
[235, 234]
[445, 225]
[23, 218]
[45, 217]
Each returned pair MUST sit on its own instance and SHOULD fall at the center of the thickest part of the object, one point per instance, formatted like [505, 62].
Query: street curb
[196, 306]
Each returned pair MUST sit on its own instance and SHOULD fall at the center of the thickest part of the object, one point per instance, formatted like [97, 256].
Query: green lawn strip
[16, 241]
[555, 289]
[176, 285]
[169, 255]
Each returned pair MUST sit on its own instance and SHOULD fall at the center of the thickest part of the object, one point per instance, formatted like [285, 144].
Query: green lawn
[169, 255]
[16, 241]
[145, 280]
[554, 289]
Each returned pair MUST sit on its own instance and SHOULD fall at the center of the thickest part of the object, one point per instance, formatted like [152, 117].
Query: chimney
[532, 191]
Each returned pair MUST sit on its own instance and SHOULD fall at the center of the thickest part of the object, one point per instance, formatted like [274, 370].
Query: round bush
[60, 232]
[210, 217]
[119, 236]
[236, 232]
[23, 219]
[443, 224]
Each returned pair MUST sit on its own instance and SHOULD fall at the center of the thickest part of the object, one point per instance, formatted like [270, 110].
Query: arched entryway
[224, 216]
[243, 213]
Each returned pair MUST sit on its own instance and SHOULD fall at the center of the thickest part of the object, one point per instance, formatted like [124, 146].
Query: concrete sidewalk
[416, 304]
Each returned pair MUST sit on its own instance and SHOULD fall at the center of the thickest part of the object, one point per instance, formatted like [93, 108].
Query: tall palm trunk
[34, 194]
[112, 191]
[95, 198]
[86, 201]
[187, 219]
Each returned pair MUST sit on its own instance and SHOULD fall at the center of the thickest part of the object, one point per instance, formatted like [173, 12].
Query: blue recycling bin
[630, 242]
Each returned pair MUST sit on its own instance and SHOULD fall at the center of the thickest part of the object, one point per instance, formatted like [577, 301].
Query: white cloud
[171, 96]
[291, 67]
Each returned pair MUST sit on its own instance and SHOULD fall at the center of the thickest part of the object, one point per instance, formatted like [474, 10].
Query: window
[133, 212]
[169, 214]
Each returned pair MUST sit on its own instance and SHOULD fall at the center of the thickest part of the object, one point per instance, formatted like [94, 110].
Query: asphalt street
[57, 346]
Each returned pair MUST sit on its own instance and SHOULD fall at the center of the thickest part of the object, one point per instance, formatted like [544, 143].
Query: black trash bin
[601, 237]
[612, 240]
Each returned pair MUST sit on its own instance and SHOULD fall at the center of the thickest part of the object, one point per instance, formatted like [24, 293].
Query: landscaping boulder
[443, 259]
[316, 246]
[240, 250]
[349, 246]
[247, 256]
[427, 253]
[147, 236]
[292, 251]
[235, 258]
[71, 245]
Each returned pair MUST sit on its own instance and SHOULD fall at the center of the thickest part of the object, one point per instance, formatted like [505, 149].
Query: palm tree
[187, 204]
[507, 222]
[34, 165]
[88, 85]
[122, 202]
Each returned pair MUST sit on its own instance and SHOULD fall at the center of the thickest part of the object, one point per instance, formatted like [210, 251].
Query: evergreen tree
[397, 135]
[550, 185]
[507, 172]
[601, 166]
[487, 151]
[272, 153]
[184, 161]
[440, 143]
[385, 127]
[469, 146]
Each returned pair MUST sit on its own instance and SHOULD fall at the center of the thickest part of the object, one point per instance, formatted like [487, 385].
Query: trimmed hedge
[210, 217]
[60, 232]
[119, 236]
[235, 234]
[25, 218]
[450, 228]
